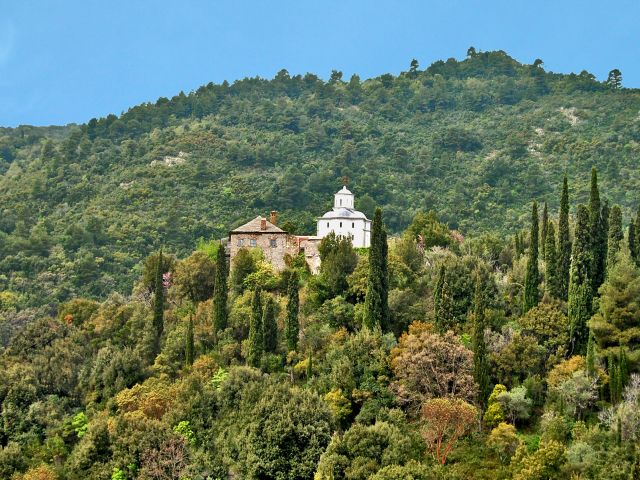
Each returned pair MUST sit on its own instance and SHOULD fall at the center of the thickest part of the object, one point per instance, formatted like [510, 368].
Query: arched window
[340, 202]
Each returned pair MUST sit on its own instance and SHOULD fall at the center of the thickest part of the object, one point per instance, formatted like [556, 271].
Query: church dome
[344, 213]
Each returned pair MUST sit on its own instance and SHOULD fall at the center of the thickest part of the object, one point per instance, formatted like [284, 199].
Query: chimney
[263, 224]
[274, 217]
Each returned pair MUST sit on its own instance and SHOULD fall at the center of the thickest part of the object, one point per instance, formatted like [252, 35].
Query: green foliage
[338, 261]
[269, 326]
[494, 414]
[292, 325]
[256, 331]
[564, 242]
[615, 236]
[532, 278]
[480, 362]
[376, 304]
[220, 290]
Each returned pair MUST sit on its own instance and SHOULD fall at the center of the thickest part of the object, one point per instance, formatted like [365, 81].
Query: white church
[344, 220]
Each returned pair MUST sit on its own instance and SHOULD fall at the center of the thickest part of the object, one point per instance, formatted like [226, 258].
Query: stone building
[345, 221]
[265, 235]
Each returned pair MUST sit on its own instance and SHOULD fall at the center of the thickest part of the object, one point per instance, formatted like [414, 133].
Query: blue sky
[68, 61]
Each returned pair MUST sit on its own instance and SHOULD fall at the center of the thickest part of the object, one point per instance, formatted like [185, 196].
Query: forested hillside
[474, 140]
[492, 330]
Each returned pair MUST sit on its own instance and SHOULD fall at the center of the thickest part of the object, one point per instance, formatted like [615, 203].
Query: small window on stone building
[327, 224]
[340, 224]
[253, 242]
[353, 224]
[241, 242]
[273, 243]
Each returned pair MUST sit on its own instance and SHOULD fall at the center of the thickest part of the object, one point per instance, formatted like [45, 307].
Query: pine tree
[480, 362]
[615, 235]
[544, 226]
[580, 286]
[376, 304]
[158, 298]
[189, 349]
[256, 339]
[633, 251]
[552, 283]
[532, 278]
[269, 326]
[591, 356]
[292, 326]
[564, 242]
[220, 312]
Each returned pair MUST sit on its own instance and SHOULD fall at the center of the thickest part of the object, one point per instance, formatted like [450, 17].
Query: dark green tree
[632, 242]
[614, 80]
[623, 364]
[158, 298]
[544, 226]
[444, 314]
[532, 278]
[598, 235]
[269, 326]
[552, 282]
[516, 244]
[480, 361]
[615, 235]
[256, 338]
[591, 356]
[189, 348]
[564, 242]
[220, 291]
[292, 325]
[376, 305]
[580, 286]
[338, 261]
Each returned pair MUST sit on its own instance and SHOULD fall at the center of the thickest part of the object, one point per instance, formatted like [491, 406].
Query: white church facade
[344, 220]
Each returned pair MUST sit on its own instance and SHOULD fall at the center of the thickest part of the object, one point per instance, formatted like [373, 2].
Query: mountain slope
[474, 140]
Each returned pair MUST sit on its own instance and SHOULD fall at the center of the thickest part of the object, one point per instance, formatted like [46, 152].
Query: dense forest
[492, 330]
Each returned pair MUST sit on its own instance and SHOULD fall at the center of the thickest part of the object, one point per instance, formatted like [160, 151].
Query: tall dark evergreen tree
[158, 298]
[598, 236]
[376, 304]
[615, 235]
[591, 356]
[564, 242]
[580, 286]
[552, 283]
[292, 325]
[637, 238]
[220, 291]
[269, 326]
[480, 362]
[532, 278]
[544, 226]
[256, 338]
[189, 347]
[631, 240]
[444, 315]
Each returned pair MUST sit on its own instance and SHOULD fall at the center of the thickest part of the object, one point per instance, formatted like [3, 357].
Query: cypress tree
[531, 294]
[564, 242]
[516, 243]
[444, 314]
[158, 298]
[480, 362]
[189, 349]
[591, 356]
[613, 381]
[615, 235]
[292, 326]
[632, 241]
[437, 291]
[256, 339]
[544, 226]
[552, 283]
[637, 237]
[624, 368]
[269, 326]
[220, 312]
[604, 240]
[376, 304]
[580, 286]
[598, 238]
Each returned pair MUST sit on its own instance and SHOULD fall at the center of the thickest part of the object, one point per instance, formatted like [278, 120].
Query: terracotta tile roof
[254, 227]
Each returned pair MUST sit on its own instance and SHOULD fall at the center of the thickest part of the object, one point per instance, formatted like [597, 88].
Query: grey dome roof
[344, 213]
